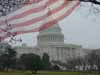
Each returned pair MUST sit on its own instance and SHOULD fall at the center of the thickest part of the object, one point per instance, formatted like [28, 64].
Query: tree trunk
[99, 70]
[35, 72]
[32, 72]
[7, 69]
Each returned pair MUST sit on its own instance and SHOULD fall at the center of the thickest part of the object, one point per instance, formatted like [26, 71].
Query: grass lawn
[47, 73]
[92, 73]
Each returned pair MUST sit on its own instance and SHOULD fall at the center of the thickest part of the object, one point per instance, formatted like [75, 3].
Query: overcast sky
[80, 28]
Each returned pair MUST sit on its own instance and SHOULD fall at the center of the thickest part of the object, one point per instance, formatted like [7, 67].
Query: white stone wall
[59, 53]
[56, 53]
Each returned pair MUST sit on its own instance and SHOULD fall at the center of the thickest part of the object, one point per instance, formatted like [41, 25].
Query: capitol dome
[52, 35]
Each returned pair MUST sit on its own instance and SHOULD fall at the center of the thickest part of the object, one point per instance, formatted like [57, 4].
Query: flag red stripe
[31, 1]
[48, 24]
[34, 20]
[21, 15]
[32, 11]
[28, 12]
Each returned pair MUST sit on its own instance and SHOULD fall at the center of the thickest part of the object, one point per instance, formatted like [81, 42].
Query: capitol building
[51, 41]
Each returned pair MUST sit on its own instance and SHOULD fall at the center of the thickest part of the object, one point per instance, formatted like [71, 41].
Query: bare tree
[97, 2]
[93, 5]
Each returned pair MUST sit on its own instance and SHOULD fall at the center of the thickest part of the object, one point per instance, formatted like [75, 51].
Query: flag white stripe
[55, 16]
[35, 15]
[25, 8]
[50, 18]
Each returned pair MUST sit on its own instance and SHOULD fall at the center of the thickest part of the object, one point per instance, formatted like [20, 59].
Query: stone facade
[51, 41]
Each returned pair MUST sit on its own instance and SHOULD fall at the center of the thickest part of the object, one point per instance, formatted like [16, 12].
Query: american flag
[35, 15]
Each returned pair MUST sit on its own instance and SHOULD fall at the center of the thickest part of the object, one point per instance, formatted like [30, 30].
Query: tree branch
[92, 1]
